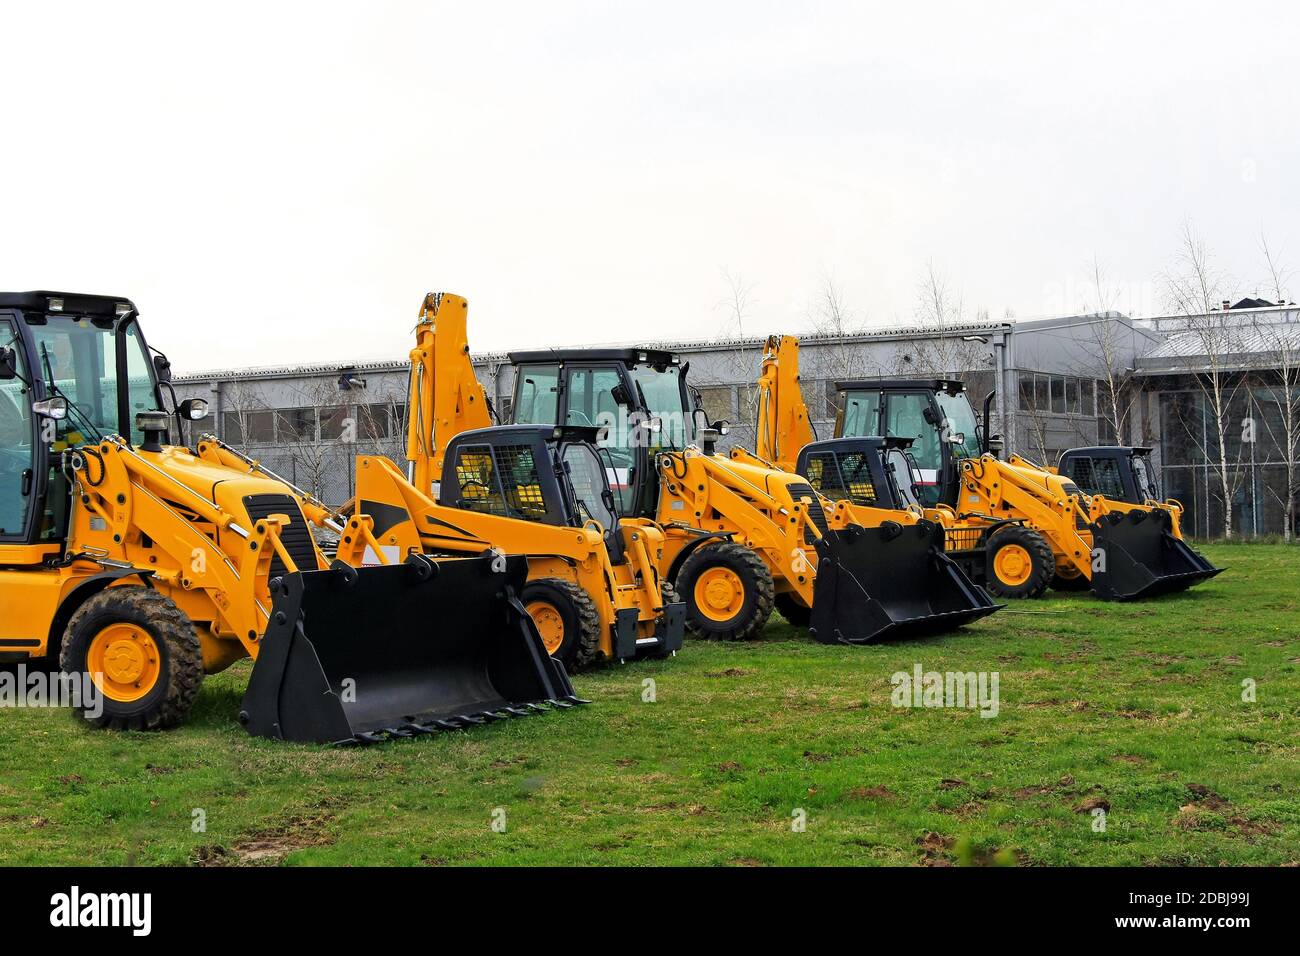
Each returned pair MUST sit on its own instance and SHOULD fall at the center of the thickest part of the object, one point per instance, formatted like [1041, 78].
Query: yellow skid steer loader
[140, 566]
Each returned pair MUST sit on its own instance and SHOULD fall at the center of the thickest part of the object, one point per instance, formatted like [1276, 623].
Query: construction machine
[1013, 525]
[139, 565]
[593, 586]
[740, 536]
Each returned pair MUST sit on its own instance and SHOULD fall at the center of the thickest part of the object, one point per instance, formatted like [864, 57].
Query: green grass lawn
[1137, 708]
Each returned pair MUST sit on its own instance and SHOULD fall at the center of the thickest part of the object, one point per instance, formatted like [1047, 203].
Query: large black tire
[794, 612]
[567, 619]
[728, 565]
[140, 628]
[1026, 550]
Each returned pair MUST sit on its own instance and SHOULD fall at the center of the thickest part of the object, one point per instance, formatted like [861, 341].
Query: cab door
[915, 415]
[19, 443]
[590, 398]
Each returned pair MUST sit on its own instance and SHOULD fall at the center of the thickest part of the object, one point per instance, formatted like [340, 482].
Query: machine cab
[934, 413]
[636, 399]
[73, 369]
[869, 472]
[1118, 472]
[544, 473]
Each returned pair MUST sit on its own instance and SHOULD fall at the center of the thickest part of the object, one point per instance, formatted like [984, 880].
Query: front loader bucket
[1136, 555]
[890, 581]
[357, 655]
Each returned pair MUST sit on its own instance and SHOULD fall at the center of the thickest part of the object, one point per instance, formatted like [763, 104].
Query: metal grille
[815, 513]
[963, 539]
[296, 536]
[501, 480]
[827, 473]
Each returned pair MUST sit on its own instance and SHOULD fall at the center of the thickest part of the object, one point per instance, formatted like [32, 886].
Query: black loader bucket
[360, 655]
[1137, 556]
[890, 581]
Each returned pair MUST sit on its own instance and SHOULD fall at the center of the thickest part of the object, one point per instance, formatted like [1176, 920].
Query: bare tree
[1197, 290]
[1281, 345]
[1110, 367]
[941, 349]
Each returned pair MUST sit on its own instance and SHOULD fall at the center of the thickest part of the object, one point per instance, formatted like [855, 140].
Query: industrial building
[1058, 382]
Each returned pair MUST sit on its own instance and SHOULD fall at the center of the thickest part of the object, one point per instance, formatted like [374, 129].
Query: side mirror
[162, 368]
[930, 417]
[619, 394]
[957, 438]
[55, 408]
[8, 365]
[193, 409]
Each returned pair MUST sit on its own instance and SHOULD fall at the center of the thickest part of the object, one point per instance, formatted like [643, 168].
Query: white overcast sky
[276, 183]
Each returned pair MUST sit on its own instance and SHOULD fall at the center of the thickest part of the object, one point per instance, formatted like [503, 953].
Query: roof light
[122, 309]
[56, 305]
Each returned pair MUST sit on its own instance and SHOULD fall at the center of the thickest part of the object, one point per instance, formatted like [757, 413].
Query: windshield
[661, 391]
[960, 419]
[77, 359]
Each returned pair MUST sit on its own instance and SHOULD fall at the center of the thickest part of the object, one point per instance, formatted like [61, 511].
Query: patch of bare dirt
[1088, 804]
[271, 844]
[815, 757]
[728, 766]
[1205, 797]
[951, 783]
[1129, 758]
[871, 793]
[935, 849]
[729, 672]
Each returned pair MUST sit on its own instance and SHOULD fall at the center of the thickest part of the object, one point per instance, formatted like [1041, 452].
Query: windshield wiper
[55, 390]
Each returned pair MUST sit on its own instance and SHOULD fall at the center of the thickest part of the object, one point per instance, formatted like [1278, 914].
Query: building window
[1026, 391]
[372, 422]
[1072, 396]
[1058, 394]
[1087, 397]
[332, 422]
[296, 424]
[248, 428]
[716, 400]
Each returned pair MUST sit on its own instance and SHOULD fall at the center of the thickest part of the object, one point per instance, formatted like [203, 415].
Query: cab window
[1097, 476]
[537, 395]
[78, 360]
[842, 477]
[500, 480]
[16, 460]
[861, 415]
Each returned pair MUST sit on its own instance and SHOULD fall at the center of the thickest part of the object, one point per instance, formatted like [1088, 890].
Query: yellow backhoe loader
[593, 587]
[140, 566]
[741, 536]
[1013, 525]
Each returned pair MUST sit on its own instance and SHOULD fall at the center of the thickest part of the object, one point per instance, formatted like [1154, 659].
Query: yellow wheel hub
[719, 594]
[124, 662]
[549, 624]
[1013, 565]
